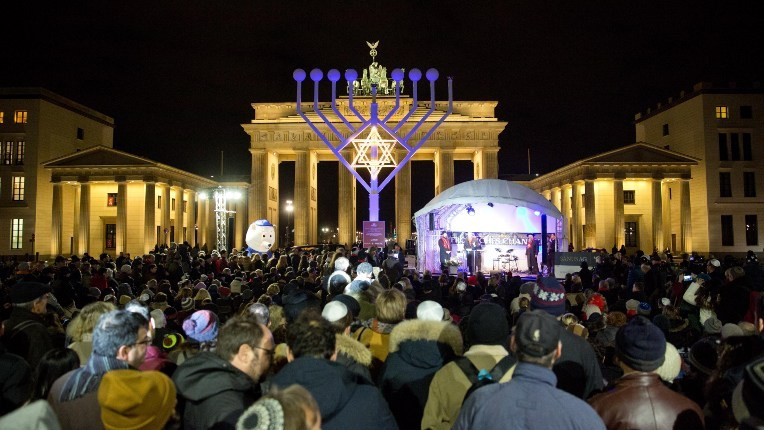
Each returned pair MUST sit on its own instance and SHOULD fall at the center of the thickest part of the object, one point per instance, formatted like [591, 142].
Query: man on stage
[531, 252]
[444, 243]
[551, 249]
[471, 247]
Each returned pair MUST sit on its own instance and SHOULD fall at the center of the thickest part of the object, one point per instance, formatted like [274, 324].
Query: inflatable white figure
[261, 235]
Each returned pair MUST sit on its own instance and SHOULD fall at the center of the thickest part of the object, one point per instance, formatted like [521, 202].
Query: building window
[111, 199]
[110, 239]
[159, 202]
[631, 234]
[725, 184]
[746, 112]
[728, 236]
[721, 112]
[18, 188]
[8, 153]
[20, 117]
[665, 129]
[735, 146]
[172, 204]
[747, 150]
[2, 117]
[749, 184]
[17, 233]
[751, 230]
[80, 134]
[629, 197]
[723, 156]
[20, 145]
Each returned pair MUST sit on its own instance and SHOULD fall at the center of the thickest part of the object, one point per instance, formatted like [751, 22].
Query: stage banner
[373, 234]
[507, 239]
[570, 262]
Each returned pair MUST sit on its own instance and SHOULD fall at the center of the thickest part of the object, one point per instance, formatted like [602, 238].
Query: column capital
[120, 179]
[83, 179]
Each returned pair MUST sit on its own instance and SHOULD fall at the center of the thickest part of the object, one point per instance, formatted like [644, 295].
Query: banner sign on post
[373, 234]
[570, 262]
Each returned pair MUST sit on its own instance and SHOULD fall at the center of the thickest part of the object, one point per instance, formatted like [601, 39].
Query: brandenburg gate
[277, 133]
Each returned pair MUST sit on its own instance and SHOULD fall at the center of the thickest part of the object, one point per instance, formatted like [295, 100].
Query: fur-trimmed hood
[438, 331]
[353, 349]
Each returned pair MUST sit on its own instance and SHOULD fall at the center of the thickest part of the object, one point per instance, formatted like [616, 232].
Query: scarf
[86, 379]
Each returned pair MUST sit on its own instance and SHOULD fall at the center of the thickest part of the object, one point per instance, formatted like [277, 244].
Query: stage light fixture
[470, 210]
[537, 213]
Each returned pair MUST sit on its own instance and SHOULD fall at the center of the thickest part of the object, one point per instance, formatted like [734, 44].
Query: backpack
[481, 378]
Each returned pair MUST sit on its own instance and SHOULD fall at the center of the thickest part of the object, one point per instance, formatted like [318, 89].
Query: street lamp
[289, 208]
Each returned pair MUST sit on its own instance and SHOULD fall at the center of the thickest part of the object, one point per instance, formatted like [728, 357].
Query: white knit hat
[236, 286]
[672, 364]
[160, 321]
[429, 310]
[591, 309]
[731, 330]
[334, 311]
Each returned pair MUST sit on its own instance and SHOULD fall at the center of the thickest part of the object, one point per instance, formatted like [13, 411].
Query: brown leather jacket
[640, 401]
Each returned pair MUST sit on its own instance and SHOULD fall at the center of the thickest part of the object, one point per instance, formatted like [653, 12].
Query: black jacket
[27, 335]
[212, 393]
[346, 400]
[577, 370]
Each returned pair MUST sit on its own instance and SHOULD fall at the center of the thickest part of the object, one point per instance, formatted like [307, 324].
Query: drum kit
[504, 260]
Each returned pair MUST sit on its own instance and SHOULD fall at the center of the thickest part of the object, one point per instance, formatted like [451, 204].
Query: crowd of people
[337, 337]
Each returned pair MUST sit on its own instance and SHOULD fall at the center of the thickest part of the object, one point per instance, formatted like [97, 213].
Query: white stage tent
[501, 212]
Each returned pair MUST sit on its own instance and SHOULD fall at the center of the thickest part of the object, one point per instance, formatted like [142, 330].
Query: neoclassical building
[277, 133]
[637, 195]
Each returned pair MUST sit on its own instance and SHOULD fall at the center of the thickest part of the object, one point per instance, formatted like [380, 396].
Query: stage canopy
[501, 213]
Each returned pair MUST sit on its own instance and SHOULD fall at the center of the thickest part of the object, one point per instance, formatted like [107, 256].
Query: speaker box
[431, 217]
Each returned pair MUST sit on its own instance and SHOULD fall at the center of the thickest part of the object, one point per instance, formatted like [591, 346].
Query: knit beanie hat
[672, 364]
[200, 286]
[712, 326]
[487, 325]
[644, 309]
[631, 307]
[124, 299]
[334, 311]
[549, 296]
[641, 345]
[187, 304]
[352, 304]
[599, 301]
[224, 291]
[589, 310]
[429, 310]
[170, 313]
[731, 330]
[160, 321]
[264, 414]
[133, 399]
[236, 286]
[202, 326]
[703, 356]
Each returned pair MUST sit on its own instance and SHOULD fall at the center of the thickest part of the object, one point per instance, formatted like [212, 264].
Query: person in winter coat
[375, 333]
[733, 297]
[350, 352]
[418, 349]
[214, 388]
[26, 332]
[639, 399]
[346, 401]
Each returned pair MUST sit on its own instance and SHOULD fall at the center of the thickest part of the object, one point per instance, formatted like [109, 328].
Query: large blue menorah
[379, 150]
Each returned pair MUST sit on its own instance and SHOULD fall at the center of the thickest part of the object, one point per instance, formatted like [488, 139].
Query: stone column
[346, 202]
[576, 216]
[403, 201]
[177, 220]
[301, 198]
[258, 191]
[666, 204]
[83, 230]
[313, 201]
[191, 207]
[57, 215]
[149, 217]
[590, 230]
[165, 215]
[121, 216]
[685, 216]
[657, 215]
[212, 226]
[618, 219]
[239, 229]
[444, 170]
[565, 209]
[477, 165]
[201, 221]
[555, 200]
[490, 164]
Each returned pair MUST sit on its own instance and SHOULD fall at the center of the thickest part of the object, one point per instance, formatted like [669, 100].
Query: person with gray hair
[26, 332]
[120, 340]
[261, 313]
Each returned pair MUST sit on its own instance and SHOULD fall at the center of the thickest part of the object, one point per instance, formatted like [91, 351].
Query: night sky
[179, 76]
